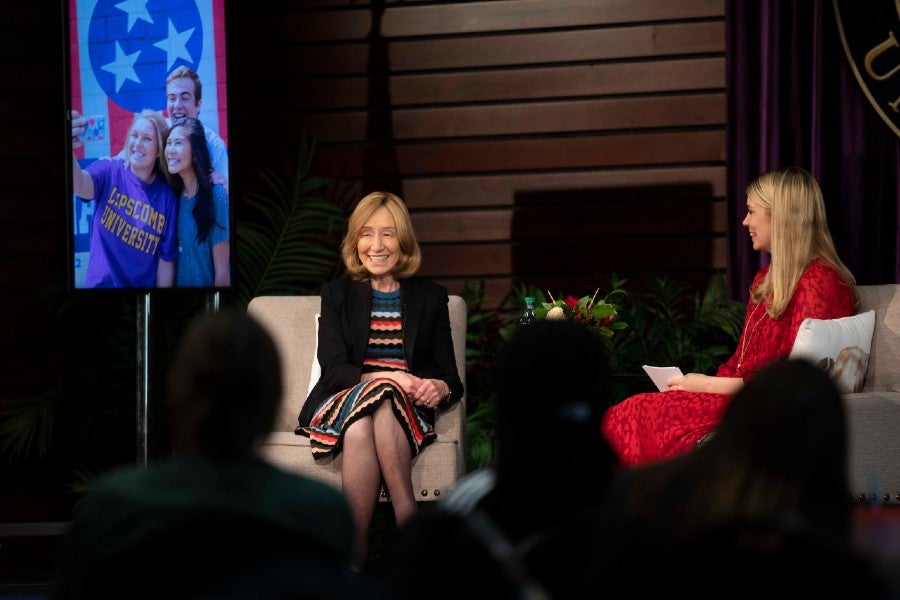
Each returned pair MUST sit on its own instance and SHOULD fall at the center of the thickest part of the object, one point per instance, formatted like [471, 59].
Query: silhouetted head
[553, 388]
[552, 373]
[782, 446]
[554, 466]
[788, 417]
[224, 387]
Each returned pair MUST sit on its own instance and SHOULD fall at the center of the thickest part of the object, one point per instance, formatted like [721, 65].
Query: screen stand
[143, 379]
[212, 303]
[143, 367]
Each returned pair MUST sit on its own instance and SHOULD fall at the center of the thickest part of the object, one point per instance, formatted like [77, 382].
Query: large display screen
[147, 120]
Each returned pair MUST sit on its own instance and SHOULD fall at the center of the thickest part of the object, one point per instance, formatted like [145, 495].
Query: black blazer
[344, 324]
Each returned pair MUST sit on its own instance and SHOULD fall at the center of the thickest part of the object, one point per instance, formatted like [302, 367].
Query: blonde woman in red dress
[804, 278]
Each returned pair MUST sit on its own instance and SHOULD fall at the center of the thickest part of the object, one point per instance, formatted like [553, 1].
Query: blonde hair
[410, 254]
[161, 129]
[793, 200]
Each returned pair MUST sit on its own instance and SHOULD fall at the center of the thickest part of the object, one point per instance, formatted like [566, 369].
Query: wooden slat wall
[548, 142]
[536, 140]
[541, 140]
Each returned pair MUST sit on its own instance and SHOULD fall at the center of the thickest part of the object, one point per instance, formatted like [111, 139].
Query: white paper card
[662, 375]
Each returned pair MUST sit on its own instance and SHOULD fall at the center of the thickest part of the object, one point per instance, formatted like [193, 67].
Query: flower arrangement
[599, 314]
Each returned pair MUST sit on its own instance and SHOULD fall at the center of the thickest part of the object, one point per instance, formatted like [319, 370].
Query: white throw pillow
[840, 346]
[315, 371]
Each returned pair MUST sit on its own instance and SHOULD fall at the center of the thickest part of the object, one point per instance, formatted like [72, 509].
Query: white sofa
[873, 415]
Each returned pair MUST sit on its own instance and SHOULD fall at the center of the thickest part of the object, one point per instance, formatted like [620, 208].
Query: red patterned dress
[656, 426]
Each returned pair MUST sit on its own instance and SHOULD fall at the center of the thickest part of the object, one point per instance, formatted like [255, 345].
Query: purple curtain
[793, 100]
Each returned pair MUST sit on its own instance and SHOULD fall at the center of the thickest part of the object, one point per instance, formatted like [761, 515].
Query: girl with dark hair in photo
[203, 221]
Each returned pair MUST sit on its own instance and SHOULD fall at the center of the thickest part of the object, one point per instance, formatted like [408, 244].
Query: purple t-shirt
[134, 225]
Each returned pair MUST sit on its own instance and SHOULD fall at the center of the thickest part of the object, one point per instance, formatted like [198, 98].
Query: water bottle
[528, 317]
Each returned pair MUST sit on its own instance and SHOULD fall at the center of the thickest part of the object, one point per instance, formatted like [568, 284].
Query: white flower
[556, 314]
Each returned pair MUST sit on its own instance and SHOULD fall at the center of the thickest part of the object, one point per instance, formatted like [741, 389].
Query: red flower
[571, 301]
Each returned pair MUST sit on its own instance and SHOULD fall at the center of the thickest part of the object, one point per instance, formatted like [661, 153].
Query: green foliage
[27, 425]
[670, 326]
[82, 479]
[480, 436]
[289, 241]
[483, 343]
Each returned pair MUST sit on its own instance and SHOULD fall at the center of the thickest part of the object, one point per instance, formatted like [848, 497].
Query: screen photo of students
[133, 239]
[184, 92]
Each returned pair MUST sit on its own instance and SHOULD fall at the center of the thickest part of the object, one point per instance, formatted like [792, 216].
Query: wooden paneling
[343, 20]
[501, 190]
[643, 112]
[607, 111]
[349, 58]
[555, 257]
[659, 218]
[512, 85]
[478, 156]
[463, 226]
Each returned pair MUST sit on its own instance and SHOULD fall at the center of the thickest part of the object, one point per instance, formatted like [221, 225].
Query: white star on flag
[136, 9]
[175, 45]
[123, 67]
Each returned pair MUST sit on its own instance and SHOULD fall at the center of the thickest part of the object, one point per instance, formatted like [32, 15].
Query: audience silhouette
[213, 518]
[498, 525]
[764, 503]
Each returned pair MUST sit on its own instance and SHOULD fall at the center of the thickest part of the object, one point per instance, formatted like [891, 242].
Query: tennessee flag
[121, 52]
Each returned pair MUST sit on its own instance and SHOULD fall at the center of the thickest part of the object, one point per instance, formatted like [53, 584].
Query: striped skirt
[337, 412]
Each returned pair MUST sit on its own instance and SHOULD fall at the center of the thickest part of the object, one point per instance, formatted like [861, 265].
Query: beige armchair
[292, 321]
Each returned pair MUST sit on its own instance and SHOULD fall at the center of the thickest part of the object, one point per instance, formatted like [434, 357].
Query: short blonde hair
[410, 254]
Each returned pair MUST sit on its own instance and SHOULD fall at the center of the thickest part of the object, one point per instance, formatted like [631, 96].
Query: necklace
[748, 333]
